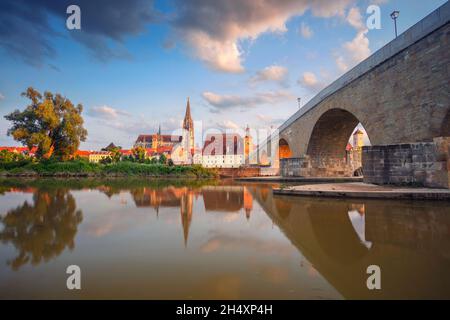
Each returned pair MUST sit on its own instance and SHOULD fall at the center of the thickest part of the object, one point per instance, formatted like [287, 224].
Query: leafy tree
[116, 156]
[162, 159]
[111, 147]
[8, 156]
[106, 160]
[50, 122]
[139, 153]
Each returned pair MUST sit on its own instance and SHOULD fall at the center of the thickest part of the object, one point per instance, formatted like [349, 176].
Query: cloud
[309, 81]
[222, 102]
[106, 112]
[356, 50]
[305, 31]
[269, 120]
[327, 8]
[25, 28]
[215, 30]
[225, 125]
[272, 73]
[354, 18]
[2, 96]
[138, 125]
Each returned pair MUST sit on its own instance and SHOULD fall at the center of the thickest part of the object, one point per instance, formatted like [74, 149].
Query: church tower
[188, 129]
[358, 140]
[247, 145]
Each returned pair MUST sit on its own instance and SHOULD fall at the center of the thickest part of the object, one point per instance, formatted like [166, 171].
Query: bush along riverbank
[80, 168]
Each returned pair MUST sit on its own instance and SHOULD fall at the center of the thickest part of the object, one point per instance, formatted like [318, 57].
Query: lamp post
[394, 16]
[299, 102]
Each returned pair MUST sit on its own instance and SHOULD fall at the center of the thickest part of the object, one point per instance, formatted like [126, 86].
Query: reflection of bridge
[411, 244]
[400, 96]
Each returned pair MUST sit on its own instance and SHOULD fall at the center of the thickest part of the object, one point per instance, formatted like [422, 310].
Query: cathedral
[183, 152]
[180, 148]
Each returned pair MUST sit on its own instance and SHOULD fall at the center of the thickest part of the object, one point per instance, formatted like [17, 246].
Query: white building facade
[223, 151]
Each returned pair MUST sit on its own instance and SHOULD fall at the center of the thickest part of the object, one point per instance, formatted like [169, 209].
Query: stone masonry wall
[312, 167]
[425, 164]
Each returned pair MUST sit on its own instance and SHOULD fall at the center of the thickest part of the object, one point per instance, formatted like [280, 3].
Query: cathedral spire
[188, 123]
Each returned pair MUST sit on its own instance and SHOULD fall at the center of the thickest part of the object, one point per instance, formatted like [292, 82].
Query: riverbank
[273, 179]
[86, 169]
[364, 190]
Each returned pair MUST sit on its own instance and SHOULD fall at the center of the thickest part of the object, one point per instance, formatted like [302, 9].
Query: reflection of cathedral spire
[248, 203]
[186, 214]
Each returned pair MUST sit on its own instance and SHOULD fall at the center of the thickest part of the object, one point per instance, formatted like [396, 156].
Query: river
[167, 239]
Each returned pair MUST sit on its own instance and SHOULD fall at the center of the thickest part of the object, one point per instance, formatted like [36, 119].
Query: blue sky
[133, 63]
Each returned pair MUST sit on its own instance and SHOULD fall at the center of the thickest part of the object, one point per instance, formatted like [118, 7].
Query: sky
[133, 63]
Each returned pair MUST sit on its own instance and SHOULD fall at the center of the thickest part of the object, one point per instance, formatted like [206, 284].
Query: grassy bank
[80, 168]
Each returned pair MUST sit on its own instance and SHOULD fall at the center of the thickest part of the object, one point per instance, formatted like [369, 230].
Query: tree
[50, 122]
[8, 156]
[162, 159]
[139, 153]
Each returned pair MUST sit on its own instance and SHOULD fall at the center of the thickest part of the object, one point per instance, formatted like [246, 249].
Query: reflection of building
[223, 151]
[216, 198]
[248, 203]
[186, 205]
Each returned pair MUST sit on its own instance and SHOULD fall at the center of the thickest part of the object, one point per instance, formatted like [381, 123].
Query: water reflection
[410, 241]
[43, 229]
[290, 247]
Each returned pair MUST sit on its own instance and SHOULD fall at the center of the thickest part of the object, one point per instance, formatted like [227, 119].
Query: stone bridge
[400, 95]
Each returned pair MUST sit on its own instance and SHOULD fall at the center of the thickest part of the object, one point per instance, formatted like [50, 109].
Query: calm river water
[145, 239]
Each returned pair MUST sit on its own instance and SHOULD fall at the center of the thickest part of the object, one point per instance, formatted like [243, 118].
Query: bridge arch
[284, 150]
[331, 133]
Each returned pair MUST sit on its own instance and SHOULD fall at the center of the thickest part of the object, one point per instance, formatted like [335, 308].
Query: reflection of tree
[43, 230]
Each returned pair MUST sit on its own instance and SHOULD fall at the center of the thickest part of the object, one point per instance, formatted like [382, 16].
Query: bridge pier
[424, 164]
[421, 164]
[315, 166]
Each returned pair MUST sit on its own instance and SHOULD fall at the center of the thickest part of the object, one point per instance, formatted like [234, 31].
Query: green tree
[106, 160]
[162, 159]
[139, 153]
[116, 156]
[50, 122]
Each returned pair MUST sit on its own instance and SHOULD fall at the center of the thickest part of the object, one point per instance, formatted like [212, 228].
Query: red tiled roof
[222, 144]
[82, 153]
[125, 152]
[164, 137]
[18, 149]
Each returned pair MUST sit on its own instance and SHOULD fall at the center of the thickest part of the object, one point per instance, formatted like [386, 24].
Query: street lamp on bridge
[394, 16]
